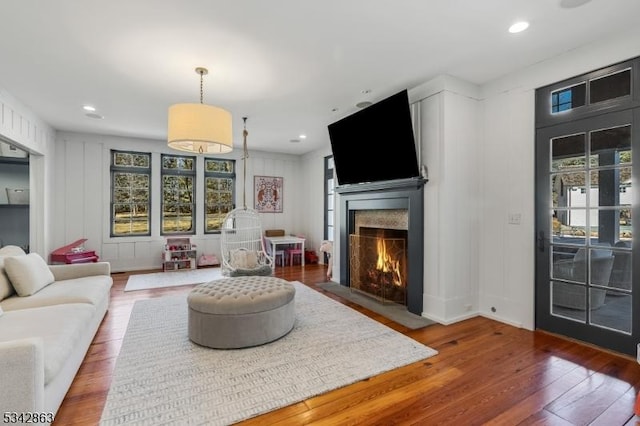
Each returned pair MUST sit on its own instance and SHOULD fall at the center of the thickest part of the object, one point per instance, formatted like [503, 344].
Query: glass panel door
[584, 220]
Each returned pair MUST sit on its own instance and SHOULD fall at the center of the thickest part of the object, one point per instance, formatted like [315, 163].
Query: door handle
[541, 241]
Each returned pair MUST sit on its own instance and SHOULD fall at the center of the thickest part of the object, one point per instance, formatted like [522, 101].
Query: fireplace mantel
[413, 183]
[387, 195]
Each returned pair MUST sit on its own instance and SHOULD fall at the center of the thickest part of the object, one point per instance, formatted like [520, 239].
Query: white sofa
[49, 315]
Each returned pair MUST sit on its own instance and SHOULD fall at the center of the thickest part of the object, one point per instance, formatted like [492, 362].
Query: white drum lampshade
[200, 129]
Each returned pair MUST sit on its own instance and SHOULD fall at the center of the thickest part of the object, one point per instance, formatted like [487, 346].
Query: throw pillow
[252, 259]
[11, 251]
[239, 258]
[28, 274]
[244, 259]
[6, 289]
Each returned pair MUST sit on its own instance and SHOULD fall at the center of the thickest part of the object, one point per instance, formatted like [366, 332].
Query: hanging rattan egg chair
[241, 237]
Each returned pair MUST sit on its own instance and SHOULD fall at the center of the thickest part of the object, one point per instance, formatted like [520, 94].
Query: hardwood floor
[486, 372]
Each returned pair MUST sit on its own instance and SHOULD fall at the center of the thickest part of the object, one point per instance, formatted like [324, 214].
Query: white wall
[82, 197]
[312, 197]
[449, 122]
[20, 127]
[506, 254]
[506, 251]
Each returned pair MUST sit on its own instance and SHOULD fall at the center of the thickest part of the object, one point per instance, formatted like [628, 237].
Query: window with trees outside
[178, 194]
[130, 193]
[219, 183]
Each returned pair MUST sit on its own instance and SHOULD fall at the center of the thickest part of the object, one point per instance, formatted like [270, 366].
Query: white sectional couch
[49, 315]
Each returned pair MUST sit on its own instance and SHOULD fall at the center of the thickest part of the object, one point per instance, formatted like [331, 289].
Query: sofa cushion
[28, 274]
[1, 311]
[93, 290]
[60, 327]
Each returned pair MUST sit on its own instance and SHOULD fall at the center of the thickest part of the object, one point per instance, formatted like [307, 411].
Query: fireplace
[388, 217]
[378, 263]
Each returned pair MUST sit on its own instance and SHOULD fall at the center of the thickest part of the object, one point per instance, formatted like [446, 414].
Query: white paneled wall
[460, 197]
[508, 189]
[20, 127]
[270, 165]
[431, 124]
[311, 218]
[83, 195]
[449, 120]
[507, 251]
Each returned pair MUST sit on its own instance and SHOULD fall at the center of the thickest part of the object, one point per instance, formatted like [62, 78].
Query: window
[219, 184]
[130, 193]
[589, 94]
[568, 98]
[178, 195]
[611, 86]
[329, 197]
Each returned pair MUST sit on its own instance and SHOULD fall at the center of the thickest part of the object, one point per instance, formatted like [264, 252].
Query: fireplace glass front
[378, 263]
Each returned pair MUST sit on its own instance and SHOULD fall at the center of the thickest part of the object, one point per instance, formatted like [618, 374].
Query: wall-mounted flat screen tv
[376, 143]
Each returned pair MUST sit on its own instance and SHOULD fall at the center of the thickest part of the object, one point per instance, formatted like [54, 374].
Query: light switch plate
[514, 218]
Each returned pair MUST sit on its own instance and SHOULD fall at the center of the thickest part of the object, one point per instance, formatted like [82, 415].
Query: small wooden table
[275, 241]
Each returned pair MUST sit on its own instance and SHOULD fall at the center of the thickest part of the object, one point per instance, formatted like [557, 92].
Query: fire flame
[386, 263]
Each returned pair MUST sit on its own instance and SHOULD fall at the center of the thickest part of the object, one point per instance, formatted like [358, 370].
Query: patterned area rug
[172, 279]
[161, 377]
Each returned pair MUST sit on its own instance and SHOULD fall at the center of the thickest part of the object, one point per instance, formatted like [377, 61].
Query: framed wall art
[267, 194]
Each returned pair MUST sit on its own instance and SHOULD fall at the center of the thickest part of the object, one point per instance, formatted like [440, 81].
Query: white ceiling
[285, 64]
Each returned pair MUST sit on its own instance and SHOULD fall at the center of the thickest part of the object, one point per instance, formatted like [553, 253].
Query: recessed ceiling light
[302, 136]
[335, 109]
[363, 104]
[518, 27]
[89, 108]
[94, 115]
[294, 140]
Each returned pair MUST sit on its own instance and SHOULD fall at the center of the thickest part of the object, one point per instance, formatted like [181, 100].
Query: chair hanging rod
[244, 162]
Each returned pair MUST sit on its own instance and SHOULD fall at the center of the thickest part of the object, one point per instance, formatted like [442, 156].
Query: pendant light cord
[245, 155]
[201, 71]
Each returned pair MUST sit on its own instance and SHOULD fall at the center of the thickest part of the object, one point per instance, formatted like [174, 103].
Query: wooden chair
[278, 254]
[293, 252]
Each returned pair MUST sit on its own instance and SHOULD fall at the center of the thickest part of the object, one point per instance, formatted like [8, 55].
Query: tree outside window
[178, 195]
[130, 193]
[219, 181]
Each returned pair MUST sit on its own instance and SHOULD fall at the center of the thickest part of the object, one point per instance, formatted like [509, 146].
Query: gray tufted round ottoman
[240, 312]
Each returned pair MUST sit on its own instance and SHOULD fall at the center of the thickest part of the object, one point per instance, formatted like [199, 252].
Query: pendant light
[199, 128]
